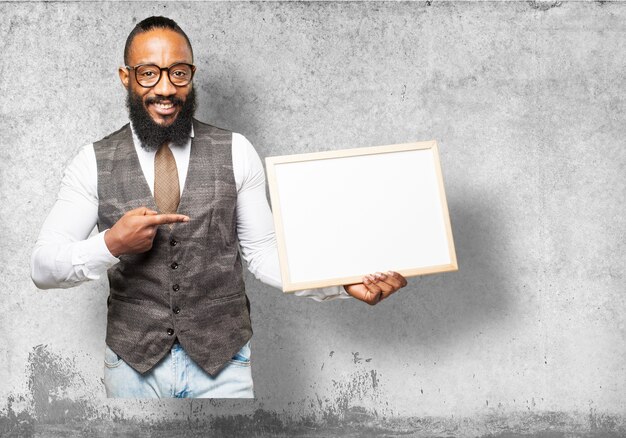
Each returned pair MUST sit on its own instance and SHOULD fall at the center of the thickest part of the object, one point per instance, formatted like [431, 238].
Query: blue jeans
[178, 376]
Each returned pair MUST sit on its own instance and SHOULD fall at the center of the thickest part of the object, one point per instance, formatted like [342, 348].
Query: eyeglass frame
[134, 68]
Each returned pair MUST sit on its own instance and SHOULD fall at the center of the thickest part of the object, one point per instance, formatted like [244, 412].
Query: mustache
[160, 99]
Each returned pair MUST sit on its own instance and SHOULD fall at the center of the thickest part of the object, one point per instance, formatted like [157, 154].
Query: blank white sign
[340, 215]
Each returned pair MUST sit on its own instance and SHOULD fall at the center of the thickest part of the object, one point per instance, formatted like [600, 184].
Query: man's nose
[164, 87]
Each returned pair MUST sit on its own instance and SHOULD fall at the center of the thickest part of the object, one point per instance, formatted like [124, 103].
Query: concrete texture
[527, 101]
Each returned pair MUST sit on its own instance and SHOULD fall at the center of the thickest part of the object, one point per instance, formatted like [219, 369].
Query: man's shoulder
[123, 132]
[104, 149]
[202, 129]
[225, 137]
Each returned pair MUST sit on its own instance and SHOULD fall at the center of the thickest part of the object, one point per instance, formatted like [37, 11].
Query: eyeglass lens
[149, 75]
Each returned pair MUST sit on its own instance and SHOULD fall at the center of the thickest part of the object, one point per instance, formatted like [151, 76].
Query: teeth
[164, 105]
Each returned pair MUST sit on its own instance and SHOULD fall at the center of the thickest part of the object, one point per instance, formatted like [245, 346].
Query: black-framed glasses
[148, 75]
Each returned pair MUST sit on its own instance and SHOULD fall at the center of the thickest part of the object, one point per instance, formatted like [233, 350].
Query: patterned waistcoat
[189, 285]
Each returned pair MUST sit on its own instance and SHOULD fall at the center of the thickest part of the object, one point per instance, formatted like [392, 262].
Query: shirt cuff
[324, 294]
[93, 256]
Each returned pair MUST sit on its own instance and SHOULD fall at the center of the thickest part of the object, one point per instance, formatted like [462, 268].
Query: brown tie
[166, 187]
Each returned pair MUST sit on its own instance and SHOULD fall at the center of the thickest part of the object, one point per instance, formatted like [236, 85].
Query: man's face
[162, 47]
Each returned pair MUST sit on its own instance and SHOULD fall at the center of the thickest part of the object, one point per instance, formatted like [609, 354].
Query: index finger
[160, 219]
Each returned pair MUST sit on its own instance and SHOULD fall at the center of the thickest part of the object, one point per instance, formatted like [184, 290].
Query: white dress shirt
[65, 255]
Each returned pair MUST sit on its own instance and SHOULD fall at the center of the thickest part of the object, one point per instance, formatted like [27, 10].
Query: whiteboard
[340, 215]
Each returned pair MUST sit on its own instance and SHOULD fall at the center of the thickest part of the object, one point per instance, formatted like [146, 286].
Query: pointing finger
[160, 219]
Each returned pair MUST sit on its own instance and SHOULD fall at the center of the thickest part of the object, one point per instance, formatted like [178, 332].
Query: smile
[164, 109]
[164, 105]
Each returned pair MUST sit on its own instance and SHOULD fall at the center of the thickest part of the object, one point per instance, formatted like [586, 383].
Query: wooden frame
[340, 215]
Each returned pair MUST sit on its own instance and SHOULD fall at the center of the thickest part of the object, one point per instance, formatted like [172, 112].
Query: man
[174, 200]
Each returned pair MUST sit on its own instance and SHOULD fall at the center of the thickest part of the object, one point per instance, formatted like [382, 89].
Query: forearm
[64, 254]
[68, 264]
[255, 226]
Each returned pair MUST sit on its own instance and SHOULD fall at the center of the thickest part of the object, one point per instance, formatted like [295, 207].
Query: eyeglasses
[148, 75]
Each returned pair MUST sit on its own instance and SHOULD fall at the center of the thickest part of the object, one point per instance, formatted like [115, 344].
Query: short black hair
[151, 23]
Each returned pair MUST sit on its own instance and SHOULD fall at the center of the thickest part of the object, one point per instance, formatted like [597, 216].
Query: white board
[340, 215]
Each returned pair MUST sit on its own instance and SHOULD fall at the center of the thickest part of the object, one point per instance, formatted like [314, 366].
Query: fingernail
[366, 280]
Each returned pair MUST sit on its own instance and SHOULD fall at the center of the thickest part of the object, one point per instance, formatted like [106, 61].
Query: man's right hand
[134, 232]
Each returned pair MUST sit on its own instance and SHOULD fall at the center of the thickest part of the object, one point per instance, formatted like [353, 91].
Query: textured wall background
[527, 101]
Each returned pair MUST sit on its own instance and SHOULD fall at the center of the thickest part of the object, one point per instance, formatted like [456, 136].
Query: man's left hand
[376, 287]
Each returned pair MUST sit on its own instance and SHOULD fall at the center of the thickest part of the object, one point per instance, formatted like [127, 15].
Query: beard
[151, 134]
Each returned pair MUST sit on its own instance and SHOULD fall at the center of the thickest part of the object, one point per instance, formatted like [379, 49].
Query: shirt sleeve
[64, 254]
[255, 226]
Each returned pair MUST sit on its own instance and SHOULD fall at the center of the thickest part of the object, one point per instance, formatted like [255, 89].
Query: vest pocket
[236, 295]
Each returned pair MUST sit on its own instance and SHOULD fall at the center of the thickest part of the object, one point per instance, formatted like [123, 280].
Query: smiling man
[174, 201]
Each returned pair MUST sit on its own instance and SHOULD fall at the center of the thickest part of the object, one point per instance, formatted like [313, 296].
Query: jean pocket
[242, 357]
[111, 359]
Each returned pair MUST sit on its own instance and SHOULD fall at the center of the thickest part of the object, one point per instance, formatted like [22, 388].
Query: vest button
[174, 265]
[176, 288]
[176, 310]
[173, 242]
[170, 331]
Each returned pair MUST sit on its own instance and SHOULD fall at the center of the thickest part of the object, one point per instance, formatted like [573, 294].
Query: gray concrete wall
[527, 101]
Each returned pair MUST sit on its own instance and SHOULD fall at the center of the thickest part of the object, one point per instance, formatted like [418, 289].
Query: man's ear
[124, 76]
